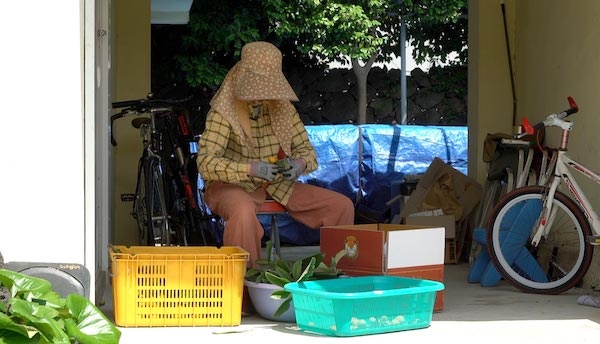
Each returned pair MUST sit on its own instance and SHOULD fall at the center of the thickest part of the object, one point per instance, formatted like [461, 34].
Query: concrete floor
[472, 314]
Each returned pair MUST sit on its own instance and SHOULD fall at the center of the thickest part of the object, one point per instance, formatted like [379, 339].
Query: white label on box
[415, 247]
[434, 212]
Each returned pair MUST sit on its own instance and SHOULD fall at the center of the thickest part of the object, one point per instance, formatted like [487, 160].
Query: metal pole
[510, 68]
[403, 101]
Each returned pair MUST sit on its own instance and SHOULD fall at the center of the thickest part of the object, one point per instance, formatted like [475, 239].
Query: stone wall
[437, 97]
[331, 97]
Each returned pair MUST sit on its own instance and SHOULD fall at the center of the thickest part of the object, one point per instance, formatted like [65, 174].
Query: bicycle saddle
[138, 122]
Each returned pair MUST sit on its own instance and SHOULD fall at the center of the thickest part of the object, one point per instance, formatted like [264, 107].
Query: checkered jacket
[223, 156]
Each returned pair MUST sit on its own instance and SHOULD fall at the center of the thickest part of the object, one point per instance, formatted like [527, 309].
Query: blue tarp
[363, 161]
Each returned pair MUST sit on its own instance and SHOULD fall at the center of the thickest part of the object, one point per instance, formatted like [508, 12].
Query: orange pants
[311, 205]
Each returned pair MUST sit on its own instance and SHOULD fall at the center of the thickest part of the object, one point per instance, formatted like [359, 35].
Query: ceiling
[171, 11]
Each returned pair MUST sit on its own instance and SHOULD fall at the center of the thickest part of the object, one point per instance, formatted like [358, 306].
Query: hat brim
[254, 86]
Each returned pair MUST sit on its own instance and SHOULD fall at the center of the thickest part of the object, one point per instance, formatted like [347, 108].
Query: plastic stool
[483, 271]
[273, 208]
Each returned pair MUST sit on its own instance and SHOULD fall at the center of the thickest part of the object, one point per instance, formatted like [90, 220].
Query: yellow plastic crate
[177, 286]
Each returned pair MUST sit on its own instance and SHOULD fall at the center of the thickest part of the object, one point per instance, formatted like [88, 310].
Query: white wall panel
[41, 141]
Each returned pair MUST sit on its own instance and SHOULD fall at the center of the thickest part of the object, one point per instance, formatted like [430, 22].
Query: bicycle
[540, 239]
[165, 206]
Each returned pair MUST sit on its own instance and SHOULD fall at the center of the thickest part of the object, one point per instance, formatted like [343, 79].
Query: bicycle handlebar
[531, 129]
[140, 106]
[148, 103]
[127, 103]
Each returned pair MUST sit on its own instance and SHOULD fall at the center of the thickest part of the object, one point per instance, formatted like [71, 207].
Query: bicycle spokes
[553, 263]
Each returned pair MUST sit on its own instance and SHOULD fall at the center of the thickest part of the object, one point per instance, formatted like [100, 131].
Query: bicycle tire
[561, 258]
[180, 209]
[140, 212]
[159, 232]
[180, 218]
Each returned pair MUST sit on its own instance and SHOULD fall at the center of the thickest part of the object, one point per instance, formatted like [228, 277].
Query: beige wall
[559, 56]
[556, 54]
[131, 80]
[490, 104]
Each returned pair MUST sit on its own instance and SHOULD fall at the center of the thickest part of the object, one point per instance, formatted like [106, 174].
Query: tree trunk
[361, 73]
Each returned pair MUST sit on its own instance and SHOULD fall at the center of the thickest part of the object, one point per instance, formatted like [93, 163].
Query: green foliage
[280, 272]
[436, 29]
[330, 30]
[335, 30]
[218, 30]
[202, 71]
[36, 314]
[318, 31]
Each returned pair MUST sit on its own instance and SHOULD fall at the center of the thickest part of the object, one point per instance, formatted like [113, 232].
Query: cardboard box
[388, 249]
[446, 221]
[465, 191]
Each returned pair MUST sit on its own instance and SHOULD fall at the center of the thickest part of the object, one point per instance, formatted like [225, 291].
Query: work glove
[263, 170]
[297, 166]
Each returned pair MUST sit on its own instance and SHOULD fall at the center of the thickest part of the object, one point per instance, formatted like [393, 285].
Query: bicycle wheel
[561, 258]
[140, 212]
[159, 232]
[179, 208]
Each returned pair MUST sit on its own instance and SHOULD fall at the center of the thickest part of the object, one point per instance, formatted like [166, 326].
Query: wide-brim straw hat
[260, 75]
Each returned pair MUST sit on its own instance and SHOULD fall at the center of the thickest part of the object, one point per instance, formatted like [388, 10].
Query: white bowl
[260, 295]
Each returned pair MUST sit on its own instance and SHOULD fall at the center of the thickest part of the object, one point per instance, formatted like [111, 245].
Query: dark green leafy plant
[34, 313]
[280, 272]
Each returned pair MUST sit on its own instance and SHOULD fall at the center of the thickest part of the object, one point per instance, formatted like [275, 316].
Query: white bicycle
[538, 238]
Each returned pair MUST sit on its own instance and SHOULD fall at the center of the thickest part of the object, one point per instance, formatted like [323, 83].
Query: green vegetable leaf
[274, 279]
[49, 328]
[284, 272]
[285, 305]
[37, 314]
[32, 310]
[319, 258]
[252, 274]
[296, 270]
[92, 326]
[8, 325]
[18, 282]
[10, 337]
[282, 264]
[280, 294]
[308, 272]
